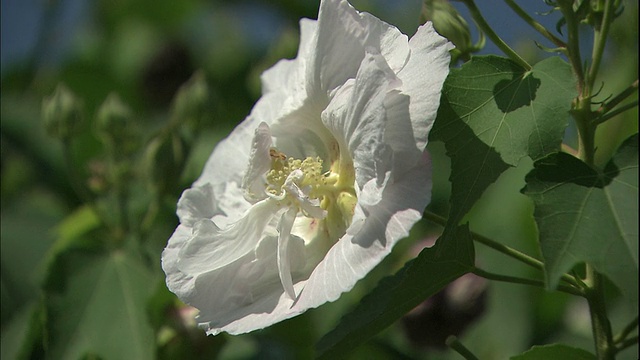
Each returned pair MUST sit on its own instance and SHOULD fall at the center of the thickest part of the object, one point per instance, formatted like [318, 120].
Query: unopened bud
[191, 101]
[164, 161]
[62, 113]
[450, 24]
[115, 125]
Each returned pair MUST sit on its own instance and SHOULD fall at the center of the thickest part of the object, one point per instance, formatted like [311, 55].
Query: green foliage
[94, 302]
[87, 212]
[555, 352]
[587, 215]
[396, 295]
[492, 114]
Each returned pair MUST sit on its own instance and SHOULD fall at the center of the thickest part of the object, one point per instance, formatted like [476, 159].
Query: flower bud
[164, 161]
[191, 101]
[115, 125]
[450, 24]
[62, 113]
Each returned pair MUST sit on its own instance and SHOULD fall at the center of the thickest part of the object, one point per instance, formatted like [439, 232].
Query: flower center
[319, 187]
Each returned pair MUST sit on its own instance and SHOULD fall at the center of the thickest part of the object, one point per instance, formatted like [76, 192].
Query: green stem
[627, 343]
[535, 25]
[486, 28]
[573, 42]
[457, 346]
[583, 116]
[77, 185]
[517, 280]
[513, 253]
[600, 40]
[600, 325]
[605, 112]
[626, 331]
[618, 98]
[616, 112]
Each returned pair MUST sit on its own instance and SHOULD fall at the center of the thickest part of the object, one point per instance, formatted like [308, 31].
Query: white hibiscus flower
[317, 184]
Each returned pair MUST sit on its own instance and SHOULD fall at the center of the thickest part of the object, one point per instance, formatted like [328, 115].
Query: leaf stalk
[486, 28]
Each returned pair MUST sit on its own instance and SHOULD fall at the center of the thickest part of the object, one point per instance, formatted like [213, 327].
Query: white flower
[317, 184]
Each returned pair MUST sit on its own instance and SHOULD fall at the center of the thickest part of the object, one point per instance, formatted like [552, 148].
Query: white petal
[284, 234]
[422, 79]
[178, 282]
[343, 35]
[247, 295]
[212, 248]
[356, 116]
[254, 183]
[196, 204]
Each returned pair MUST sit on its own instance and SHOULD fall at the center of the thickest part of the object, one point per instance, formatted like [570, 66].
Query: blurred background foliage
[154, 85]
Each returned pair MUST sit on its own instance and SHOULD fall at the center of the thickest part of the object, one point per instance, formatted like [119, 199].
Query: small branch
[484, 26]
[626, 331]
[605, 111]
[627, 343]
[457, 346]
[536, 25]
[517, 280]
[616, 112]
[513, 253]
[618, 98]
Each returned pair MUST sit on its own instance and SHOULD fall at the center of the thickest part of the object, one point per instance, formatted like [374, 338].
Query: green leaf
[23, 333]
[555, 352]
[492, 114]
[99, 306]
[396, 295]
[584, 215]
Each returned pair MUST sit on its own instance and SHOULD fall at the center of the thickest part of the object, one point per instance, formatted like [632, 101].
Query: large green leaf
[555, 352]
[493, 113]
[96, 305]
[586, 215]
[396, 295]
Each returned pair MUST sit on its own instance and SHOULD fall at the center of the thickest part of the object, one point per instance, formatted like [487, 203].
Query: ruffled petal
[196, 204]
[356, 117]
[422, 78]
[212, 248]
[343, 35]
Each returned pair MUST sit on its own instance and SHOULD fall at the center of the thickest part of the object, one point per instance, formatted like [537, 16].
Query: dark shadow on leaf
[563, 168]
[516, 93]
[474, 164]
